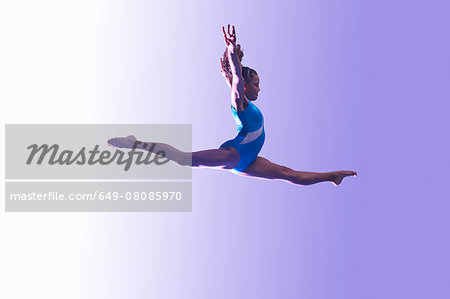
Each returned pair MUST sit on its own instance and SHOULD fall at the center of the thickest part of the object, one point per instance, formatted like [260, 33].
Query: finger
[223, 29]
[225, 37]
[234, 31]
[229, 29]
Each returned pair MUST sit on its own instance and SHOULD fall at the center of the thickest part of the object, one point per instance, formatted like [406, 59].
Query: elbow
[237, 80]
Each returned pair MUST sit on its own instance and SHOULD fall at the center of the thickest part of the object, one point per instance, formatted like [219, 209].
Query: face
[251, 88]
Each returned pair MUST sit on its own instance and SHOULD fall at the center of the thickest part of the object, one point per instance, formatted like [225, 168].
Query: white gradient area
[47, 66]
[360, 85]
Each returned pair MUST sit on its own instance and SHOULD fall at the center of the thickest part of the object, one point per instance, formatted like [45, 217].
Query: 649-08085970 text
[98, 196]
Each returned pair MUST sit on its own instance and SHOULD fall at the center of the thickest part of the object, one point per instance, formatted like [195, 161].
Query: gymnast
[239, 155]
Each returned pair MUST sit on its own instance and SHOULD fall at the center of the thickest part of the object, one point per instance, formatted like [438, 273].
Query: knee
[287, 172]
[186, 159]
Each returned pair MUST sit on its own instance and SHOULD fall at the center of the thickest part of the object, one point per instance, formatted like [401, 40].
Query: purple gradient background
[345, 85]
[360, 85]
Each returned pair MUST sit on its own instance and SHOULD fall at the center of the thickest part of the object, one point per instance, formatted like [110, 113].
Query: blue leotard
[251, 135]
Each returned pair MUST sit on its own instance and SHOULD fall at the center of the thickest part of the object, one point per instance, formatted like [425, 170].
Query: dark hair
[248, 73]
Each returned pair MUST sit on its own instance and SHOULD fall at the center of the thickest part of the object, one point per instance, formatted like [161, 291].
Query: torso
[250, 137]
[248, 118]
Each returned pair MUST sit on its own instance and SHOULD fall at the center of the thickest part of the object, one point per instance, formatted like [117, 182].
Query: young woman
[240, 155]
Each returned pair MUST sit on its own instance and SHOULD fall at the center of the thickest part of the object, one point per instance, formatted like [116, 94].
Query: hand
[230, 37]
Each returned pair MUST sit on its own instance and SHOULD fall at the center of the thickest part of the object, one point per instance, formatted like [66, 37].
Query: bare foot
[338, 176]
[123, 142]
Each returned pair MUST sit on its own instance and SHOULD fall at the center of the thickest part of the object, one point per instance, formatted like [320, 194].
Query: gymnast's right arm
[237, 86]
[225, 68]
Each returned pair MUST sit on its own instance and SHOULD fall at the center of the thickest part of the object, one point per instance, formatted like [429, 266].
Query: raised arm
[238, 98]
[225, 69]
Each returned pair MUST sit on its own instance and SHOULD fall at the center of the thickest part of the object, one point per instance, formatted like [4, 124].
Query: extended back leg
[225, 157]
